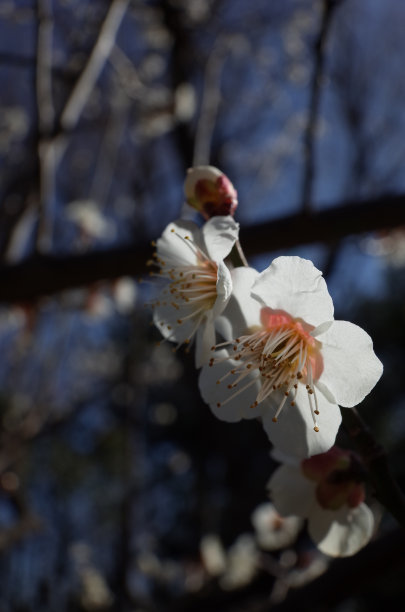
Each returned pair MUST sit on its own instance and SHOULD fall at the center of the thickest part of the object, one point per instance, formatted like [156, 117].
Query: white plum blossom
[326, 490]
[286, 359]
[274, 531]
[198, 283]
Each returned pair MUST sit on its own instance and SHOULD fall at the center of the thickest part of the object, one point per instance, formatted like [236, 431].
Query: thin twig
[210, 102]
[99, 55]
[51, 151]
[315, 96]
[46, 118]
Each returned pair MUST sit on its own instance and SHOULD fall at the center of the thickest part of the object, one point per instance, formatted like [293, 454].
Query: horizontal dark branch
[42, 275]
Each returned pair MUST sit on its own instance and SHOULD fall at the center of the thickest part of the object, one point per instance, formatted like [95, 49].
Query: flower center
[190, 290]
[283, 354]
[338, 475]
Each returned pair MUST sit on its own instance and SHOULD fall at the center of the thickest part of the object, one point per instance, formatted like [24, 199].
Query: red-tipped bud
[209, 191]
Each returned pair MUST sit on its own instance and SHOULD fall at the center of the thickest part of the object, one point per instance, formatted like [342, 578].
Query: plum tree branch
[47, 274]
[375, 457]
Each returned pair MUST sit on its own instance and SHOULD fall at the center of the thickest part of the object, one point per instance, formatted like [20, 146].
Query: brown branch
[48, 274]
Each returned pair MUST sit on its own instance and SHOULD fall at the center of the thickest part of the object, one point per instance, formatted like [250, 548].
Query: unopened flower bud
[208, 190]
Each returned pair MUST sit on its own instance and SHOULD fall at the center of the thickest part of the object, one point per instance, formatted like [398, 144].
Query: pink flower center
[284, 354]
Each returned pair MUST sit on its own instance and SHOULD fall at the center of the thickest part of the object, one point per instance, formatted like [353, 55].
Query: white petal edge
[294, 434]
[343, 532]
[242, 311]
[294, 285]
[170, 328]
[350, 366]
[220, 234]
[171, 246]
[224, 289]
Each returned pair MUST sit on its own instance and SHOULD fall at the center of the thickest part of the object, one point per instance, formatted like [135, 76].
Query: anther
[274, 419]
[316, 428]
[218, 404]
[316, 411]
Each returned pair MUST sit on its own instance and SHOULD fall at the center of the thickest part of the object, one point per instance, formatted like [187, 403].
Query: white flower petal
[165, 318]
[343, 532]
[350, 366]
[171, 247]
[205, 338]
[291, 493]
[220, 234]
[294, 433]
[237, 407]
[294, 285]
[242, 310]
[224, 289]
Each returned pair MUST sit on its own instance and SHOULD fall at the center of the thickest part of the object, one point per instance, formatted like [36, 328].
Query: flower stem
[237, 256]
[375, 458]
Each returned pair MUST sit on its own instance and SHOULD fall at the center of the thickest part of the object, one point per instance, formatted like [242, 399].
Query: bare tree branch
[315, 96]
[48, 274]
[51, 150]
[100, 53]
[46, 117]
[210, 102]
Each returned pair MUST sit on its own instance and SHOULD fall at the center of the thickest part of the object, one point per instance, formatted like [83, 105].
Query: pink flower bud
[210, 192]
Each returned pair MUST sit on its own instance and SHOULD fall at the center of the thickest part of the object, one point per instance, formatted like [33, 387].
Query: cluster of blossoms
[281, 359]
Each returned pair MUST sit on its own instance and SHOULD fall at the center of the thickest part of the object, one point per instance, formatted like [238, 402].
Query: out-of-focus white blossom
[327, 490]
[274, 531]
[89, 219]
